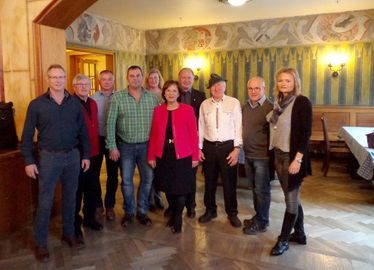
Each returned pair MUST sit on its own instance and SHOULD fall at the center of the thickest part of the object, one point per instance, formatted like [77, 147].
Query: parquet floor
[339, 221]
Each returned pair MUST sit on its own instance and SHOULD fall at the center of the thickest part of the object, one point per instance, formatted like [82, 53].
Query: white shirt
[220, 121]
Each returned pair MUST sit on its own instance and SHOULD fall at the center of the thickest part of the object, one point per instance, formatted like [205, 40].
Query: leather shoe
[298, 238]
[280, 247]
[170, 222]
[208, 216]
[144, 219]
[168, 212]
[42, 253]
[235, 221]
[93, 225]
[249, 222]
[152, 208]
[110, 214]
[73, 242]
[191, 213]
[176, 231]
[127, 220]
[160, 205]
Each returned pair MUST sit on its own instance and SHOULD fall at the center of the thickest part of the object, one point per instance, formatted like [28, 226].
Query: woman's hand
[152, 163]
[194, 164]
[294, 167]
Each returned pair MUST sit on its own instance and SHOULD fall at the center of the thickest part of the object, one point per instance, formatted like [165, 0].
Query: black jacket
[301, 130]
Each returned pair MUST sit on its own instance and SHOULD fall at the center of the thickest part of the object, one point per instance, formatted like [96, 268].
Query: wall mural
[92, 30]
[239, 51]
[305, 30]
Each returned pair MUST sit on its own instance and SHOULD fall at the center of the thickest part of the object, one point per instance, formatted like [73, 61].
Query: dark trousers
[191, 198]
[176, 203]
[215, 163]
[89, 190]
[112, 173]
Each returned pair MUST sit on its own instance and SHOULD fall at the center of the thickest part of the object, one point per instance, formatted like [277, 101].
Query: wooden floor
[339, 221]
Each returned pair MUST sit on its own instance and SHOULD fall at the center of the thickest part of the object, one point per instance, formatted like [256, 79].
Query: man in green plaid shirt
[128, 128]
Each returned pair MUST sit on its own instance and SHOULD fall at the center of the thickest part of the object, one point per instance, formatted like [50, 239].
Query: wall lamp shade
[336, 63]
[234, 2]
[196, 65]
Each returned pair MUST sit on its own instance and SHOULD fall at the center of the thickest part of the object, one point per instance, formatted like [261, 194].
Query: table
[356, 140]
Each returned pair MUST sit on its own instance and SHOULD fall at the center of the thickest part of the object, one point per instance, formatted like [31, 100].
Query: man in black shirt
[60, 122]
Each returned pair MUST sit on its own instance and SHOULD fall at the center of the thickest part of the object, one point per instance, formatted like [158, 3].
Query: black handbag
[8, 135]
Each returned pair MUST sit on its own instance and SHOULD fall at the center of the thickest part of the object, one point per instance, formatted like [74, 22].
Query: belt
[169, 140]
[58, 151]
[218, 143]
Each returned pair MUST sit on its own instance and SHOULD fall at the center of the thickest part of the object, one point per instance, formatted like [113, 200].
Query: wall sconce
[195, 65]
[336, 62]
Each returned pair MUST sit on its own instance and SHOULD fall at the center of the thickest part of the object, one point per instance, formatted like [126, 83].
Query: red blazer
[186, 140]
[93, 127]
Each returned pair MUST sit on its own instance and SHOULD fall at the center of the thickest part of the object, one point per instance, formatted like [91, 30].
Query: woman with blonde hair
[290, 130]
[153, 82]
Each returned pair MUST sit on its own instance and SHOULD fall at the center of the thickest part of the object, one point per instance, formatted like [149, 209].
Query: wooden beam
[62, 13]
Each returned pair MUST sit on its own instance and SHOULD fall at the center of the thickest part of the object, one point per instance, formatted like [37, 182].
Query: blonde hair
[292, 71]
[150, 72]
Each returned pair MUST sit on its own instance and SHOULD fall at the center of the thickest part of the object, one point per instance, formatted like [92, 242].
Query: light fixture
[336, 63]
[195, 64]
[234, 2]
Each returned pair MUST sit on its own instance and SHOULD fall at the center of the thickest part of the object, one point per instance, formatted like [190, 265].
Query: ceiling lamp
[234, 2]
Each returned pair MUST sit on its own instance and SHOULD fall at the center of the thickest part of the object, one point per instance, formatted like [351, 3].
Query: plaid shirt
[129, 120]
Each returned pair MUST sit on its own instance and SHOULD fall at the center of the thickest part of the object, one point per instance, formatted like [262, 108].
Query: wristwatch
[299, 160]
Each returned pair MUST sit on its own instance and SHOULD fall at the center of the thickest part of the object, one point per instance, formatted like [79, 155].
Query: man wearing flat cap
[220, 140]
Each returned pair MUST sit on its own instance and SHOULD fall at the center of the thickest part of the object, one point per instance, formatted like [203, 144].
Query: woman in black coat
[290, 130]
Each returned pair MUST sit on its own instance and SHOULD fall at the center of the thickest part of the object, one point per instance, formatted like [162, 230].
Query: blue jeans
[257, 171]
[135, 154]
[54, 166]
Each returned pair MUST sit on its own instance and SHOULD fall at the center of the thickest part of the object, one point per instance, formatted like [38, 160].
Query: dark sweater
[59, 126]
[256, 130]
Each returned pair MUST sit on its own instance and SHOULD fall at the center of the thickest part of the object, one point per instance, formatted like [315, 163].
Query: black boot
[77, 227]
[282, 244]
[298, 235]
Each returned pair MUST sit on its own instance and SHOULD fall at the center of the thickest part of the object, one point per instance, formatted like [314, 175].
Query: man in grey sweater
[257, 155]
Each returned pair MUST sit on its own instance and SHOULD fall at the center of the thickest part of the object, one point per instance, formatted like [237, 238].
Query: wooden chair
[331, 149]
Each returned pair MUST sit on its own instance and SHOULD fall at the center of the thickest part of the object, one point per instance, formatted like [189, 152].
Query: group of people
[165, 130]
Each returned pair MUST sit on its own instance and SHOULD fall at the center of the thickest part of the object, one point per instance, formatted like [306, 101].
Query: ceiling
[158, 14]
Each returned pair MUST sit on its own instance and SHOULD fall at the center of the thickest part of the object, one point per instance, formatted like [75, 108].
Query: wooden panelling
[338, 117]
[2, 97]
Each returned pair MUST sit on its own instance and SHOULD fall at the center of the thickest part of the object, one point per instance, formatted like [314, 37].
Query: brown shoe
[42, 253]
[98, 213]
[73, 242]
[110, 215]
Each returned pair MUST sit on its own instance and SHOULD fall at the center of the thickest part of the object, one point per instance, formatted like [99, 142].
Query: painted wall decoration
[94, 31]
[295, 31]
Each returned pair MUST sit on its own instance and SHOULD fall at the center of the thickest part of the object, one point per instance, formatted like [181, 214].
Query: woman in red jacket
[173, 151]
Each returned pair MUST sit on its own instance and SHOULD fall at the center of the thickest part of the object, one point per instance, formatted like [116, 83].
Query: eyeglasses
[57, 77]
[256, 89]
[82, 84]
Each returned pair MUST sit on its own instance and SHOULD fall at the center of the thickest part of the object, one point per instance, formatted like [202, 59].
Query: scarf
[280, 106]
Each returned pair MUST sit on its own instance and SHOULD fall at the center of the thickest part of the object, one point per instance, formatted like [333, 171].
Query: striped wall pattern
[353, 87]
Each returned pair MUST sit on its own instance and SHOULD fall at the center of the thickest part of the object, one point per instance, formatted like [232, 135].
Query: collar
[260, 102]
[223, 98]
[102, 93]
[48, 94]
[188, 91]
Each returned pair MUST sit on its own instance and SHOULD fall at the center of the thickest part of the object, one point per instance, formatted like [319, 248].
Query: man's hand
[114, 154]
[31, 171]
[201, 156]
[85, 164]
[152, 163]
[233, 157]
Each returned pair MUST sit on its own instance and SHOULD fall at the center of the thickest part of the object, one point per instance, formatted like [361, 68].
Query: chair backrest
[325, 133]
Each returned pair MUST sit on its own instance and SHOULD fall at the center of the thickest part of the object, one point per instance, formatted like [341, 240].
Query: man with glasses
[257, 155]
[128, 129]
[60, 122]
[102, 98]
[89, 189]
